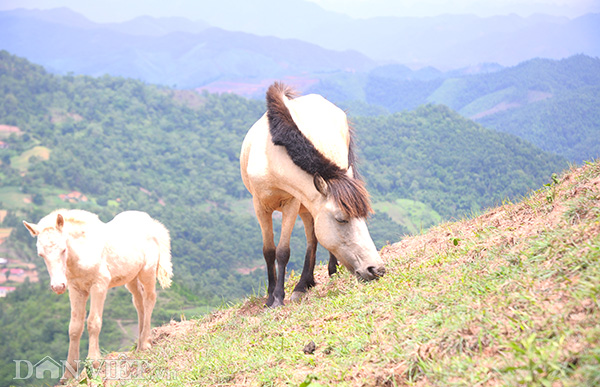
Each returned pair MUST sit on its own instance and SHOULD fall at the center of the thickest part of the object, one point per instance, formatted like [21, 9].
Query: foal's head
[52, 246]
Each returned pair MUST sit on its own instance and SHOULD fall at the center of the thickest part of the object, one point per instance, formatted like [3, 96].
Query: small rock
[309, 348]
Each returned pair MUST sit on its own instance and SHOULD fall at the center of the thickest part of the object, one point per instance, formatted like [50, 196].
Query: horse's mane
[349, 192]
[77, 220]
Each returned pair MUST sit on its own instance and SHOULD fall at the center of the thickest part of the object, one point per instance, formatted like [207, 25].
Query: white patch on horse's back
[324, 124]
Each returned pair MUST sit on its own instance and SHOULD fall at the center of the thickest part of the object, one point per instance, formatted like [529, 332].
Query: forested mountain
[551, 103]
[174, 154]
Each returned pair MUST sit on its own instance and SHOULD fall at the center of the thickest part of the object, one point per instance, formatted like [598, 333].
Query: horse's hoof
[143, 347]
[297, 296]
[276, 304]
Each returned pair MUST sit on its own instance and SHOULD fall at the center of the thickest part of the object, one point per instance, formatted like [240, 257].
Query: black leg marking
[307, 279]
[332, 264]
[283, 256]
[271, 273]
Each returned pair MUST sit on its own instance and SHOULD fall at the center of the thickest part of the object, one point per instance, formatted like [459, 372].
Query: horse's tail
[164, 270]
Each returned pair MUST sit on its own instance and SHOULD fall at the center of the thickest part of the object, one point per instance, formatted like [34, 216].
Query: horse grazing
[88, 257]
[299, 159]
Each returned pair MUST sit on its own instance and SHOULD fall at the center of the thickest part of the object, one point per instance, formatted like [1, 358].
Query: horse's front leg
[290, 213]
[265, 220]
[78, 299]
[98, 296]
[307, 279]
[332, 267]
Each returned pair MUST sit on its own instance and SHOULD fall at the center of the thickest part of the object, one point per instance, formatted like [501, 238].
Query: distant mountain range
[554, 104]
[164, 51]
[272, 42]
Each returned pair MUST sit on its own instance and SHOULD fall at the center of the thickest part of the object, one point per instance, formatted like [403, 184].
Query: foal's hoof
[297, 296]
[143, 346]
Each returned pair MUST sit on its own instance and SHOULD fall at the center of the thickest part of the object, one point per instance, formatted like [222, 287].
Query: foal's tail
[164, 270]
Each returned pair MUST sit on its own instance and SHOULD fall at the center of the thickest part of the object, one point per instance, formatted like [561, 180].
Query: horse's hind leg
[265, 220]
[137, 295]
[148, 281]
[289, 215]
[307, 279]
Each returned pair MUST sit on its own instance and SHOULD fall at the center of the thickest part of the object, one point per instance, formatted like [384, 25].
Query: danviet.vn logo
[121, 368]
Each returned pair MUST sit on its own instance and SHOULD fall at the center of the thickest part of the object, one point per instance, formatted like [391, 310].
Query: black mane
[349, 192]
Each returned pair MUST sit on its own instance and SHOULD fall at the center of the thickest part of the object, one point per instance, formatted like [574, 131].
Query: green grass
[414, 215]
[507, 298]
[12, 197]
[21, 162]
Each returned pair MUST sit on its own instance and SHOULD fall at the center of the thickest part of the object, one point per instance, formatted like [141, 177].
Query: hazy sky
[370, 8]
[120, 10]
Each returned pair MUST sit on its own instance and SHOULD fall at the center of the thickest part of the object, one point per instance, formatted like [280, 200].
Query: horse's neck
[85, 246]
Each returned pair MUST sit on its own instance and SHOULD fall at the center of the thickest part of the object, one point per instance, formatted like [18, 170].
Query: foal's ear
[321, 184]
[60, 222]
[32, 228]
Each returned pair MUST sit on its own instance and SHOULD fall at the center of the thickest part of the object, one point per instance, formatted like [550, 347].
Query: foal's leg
[307, 279]
[148, 281]
[265, 220]
[136, 291]
[78, 300]
[290, 213]
[98, 296]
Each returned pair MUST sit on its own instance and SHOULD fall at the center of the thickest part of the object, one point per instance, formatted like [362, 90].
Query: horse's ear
[32, 228]
[350, 172]
[321, 184]
[60, 222]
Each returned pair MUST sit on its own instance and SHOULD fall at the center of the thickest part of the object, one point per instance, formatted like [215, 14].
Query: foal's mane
[349, 192]
[77, 220]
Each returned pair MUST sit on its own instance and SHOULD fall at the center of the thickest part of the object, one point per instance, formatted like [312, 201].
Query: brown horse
[298, 159]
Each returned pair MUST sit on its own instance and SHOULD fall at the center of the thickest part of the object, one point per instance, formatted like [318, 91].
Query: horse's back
[130, 217]
[324, 124]
[134, 232]
[267, 167]
[134, 225]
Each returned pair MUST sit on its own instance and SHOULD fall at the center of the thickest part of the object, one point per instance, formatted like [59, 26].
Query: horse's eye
[341, 220]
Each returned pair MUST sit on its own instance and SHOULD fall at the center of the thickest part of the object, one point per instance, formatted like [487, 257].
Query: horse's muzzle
[59, 289]
[371, 273]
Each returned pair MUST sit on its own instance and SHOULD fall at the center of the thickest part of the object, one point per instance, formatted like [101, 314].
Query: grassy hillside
[506, 298]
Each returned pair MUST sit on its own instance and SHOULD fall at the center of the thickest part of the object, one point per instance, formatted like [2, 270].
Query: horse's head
[52, 246]
[340, 226]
